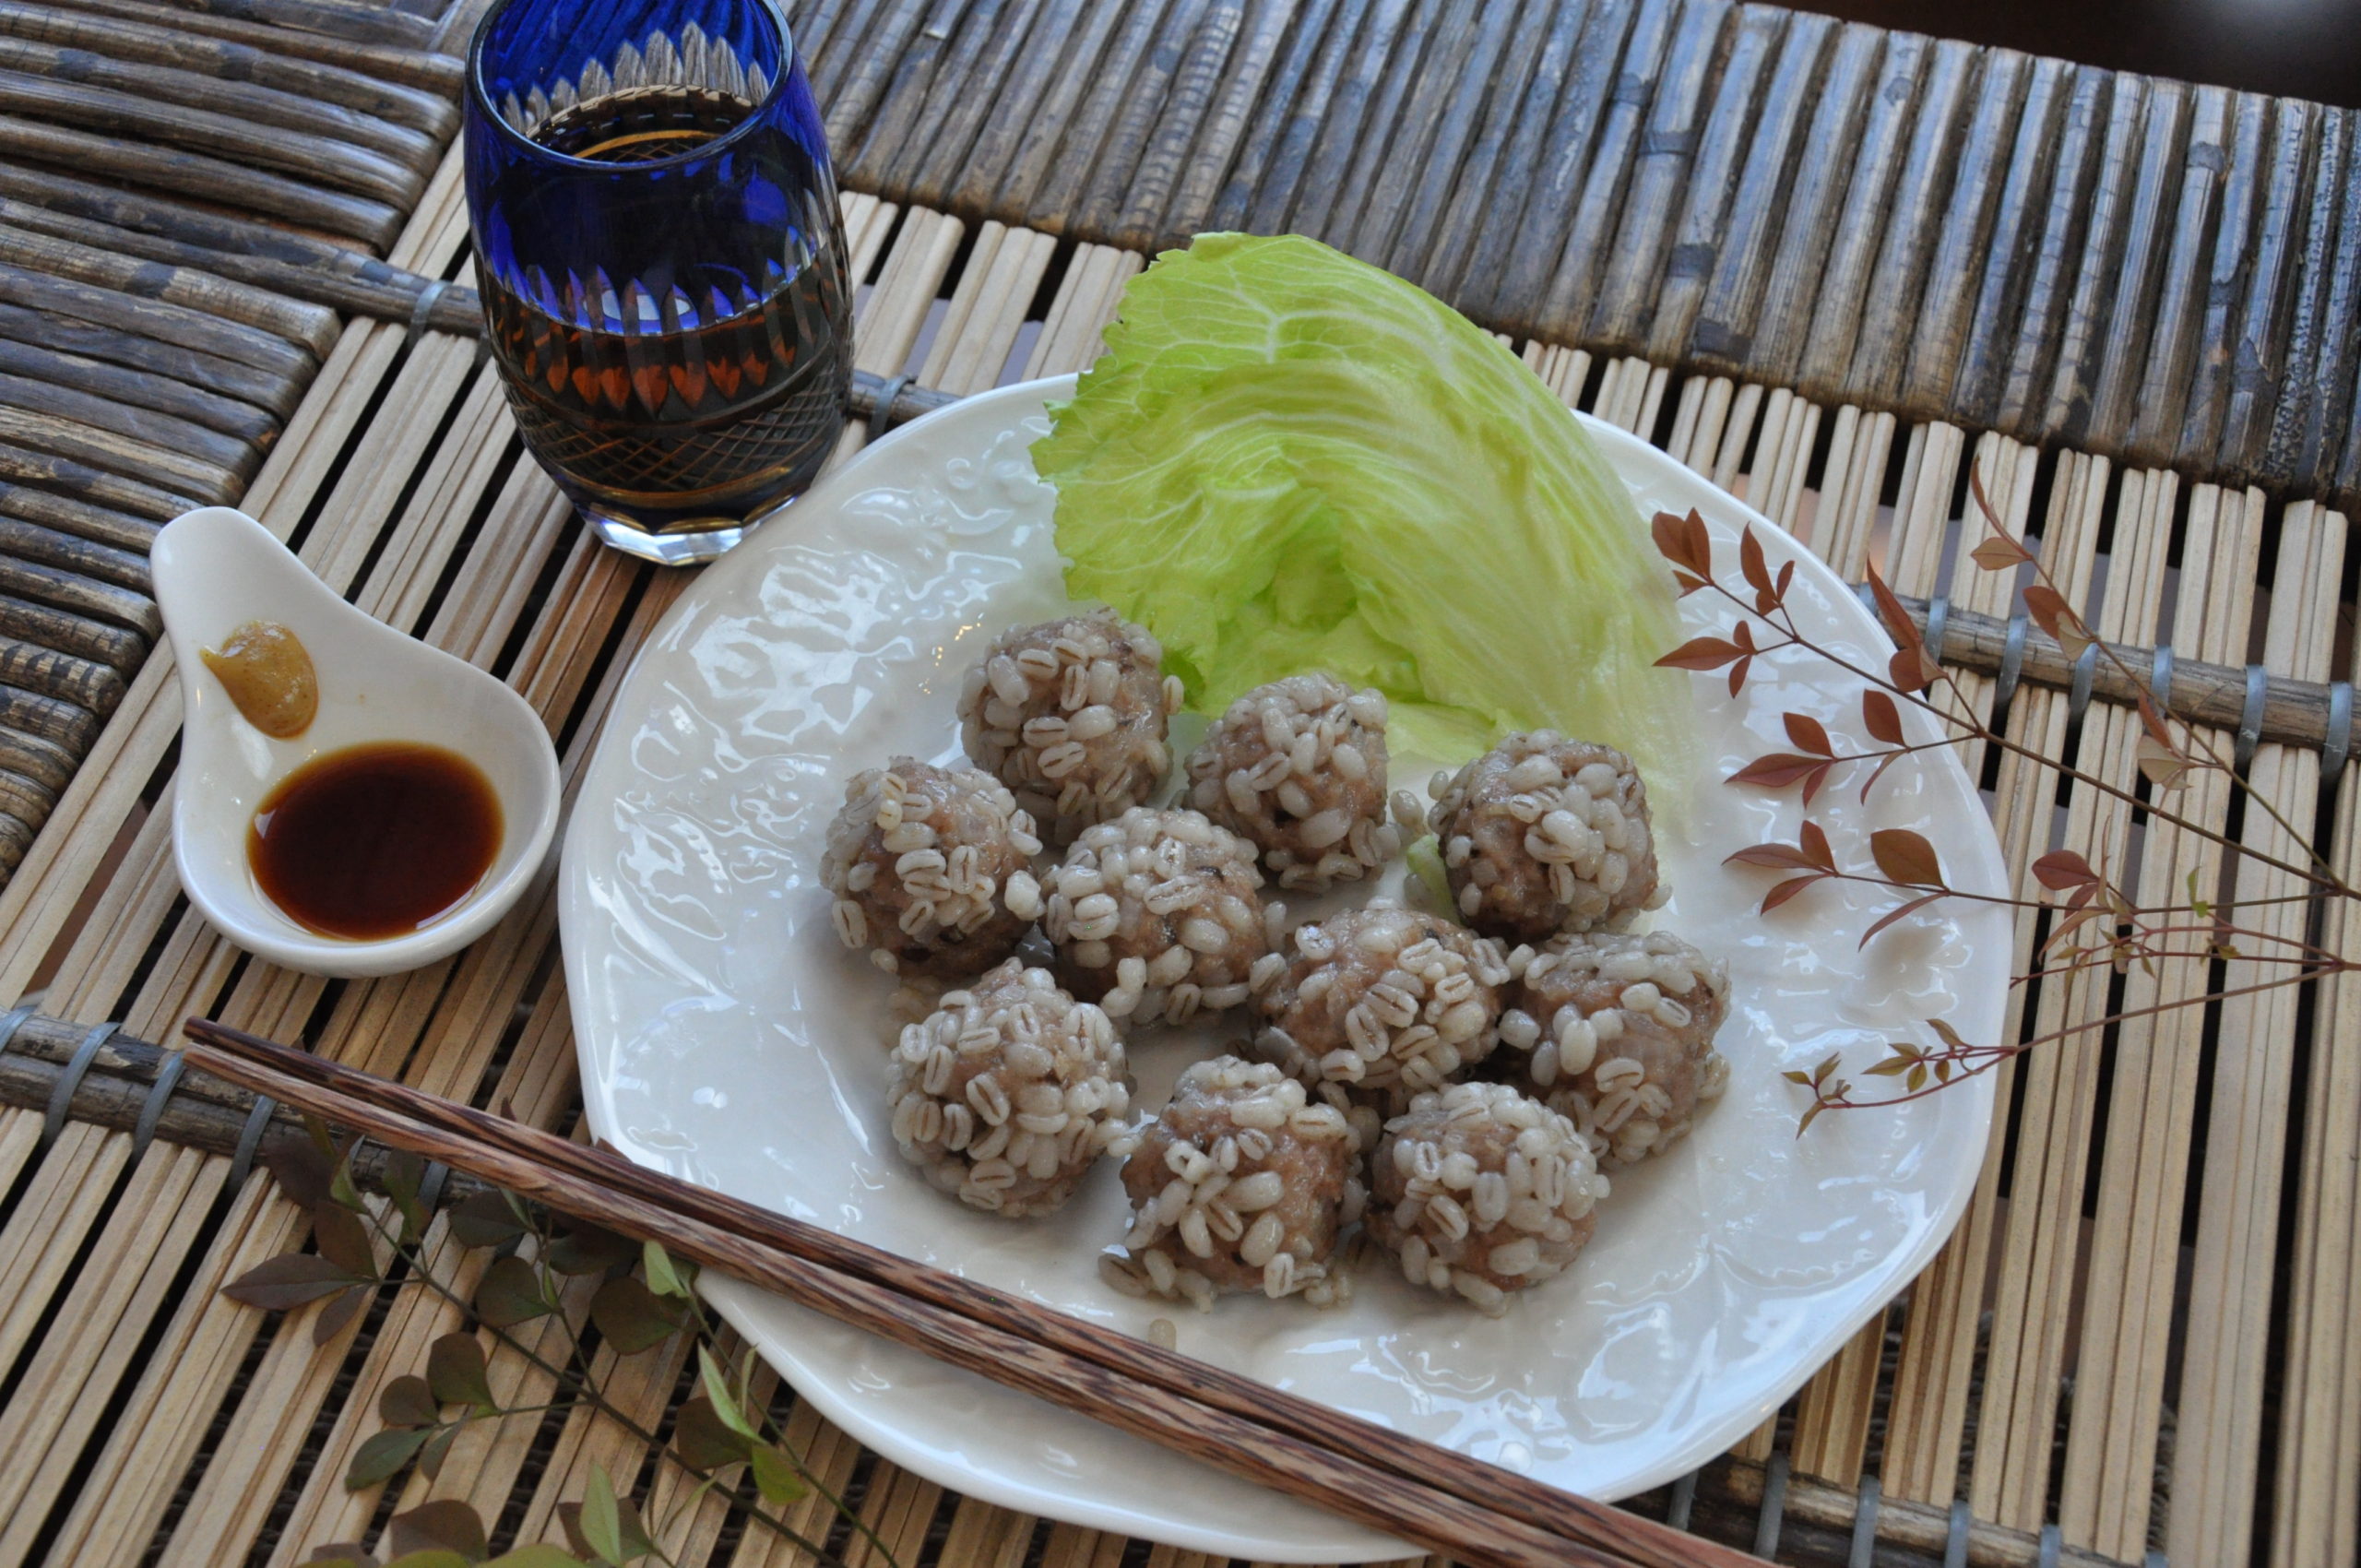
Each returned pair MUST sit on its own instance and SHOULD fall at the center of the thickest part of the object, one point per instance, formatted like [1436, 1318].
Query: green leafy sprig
[723, 1440]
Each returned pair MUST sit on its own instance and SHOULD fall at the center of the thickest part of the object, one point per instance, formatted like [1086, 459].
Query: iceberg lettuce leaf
[1288, 459]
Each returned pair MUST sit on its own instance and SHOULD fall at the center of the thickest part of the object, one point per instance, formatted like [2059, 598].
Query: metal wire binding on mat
[167, 1077]
[1956, 1542]
[1865, 1527]
[61, 1099]
[427, 299]
[1684, 1499]
[2078, 694]
[880, 417]
[2051, 1543]
[2160, 676]
[1939, 621]
[14, 1019]
[2250, 717]
[430, 1186]
[2013, 662]
[242, 1162]
[2336, 743]
[1774, 1506]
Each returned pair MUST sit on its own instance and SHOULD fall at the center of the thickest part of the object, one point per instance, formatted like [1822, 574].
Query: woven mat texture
[1828, 266]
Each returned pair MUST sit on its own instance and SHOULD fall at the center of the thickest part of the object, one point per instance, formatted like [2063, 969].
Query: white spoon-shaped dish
[216, 569]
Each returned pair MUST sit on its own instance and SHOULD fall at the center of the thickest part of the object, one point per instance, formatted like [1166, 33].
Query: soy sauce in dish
[375, 840]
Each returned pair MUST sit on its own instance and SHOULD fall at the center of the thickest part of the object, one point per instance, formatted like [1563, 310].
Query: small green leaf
[438, 1448]
[342, 1554]
[405, 1172]
[341, 1191]
[1917, 1078]
[631, 1317]
[302, 1170]
[288, 1280]
[445, 1525]
[775, 1476]
[703, 1440]
[343, 1240]
[408, 1401]
[510, 1293]
[436, 1557]
[589, 1249]
[636, 1543]
[484, 1220]
[337, 1313]
[662, 1277]
[569, 1517]
[716, 1389]
[455, 1370]
[602, 1523]
[381, 1456]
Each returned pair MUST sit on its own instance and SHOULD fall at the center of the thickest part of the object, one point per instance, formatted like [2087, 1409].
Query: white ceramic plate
[727, 1037]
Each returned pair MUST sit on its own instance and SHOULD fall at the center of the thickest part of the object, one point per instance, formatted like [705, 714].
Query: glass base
[677, 546]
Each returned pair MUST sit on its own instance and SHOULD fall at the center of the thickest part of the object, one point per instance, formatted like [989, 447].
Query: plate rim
[854, 1417]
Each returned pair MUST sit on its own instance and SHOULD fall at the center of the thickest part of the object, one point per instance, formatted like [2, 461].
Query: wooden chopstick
[1352, 1466]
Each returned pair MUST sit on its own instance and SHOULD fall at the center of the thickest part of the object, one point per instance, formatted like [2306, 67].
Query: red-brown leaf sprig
[2094, 923]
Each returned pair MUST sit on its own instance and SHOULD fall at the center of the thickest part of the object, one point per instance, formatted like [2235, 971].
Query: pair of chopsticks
[1477, 1513]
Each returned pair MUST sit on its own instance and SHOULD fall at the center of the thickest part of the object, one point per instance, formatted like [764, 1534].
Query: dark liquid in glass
[698, 398]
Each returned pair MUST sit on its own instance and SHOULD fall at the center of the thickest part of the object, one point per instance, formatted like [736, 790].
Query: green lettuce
[1289, 461]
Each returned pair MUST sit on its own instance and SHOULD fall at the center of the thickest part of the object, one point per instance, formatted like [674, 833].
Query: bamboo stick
[274, 392]
[221, 60]
[434, 72]
[2232, 1285]
[244, 103]
[371, 221]
[2044, 1238]
[2135, 1238]
[346, 280]
[310, 156]
[1486, 1514]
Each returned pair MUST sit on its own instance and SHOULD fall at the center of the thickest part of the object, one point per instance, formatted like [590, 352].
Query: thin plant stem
[584, 1389]
[1996, 1055]
[1979, 731]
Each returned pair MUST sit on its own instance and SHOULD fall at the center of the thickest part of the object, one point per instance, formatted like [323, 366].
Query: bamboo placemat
[2160, 1259]
[187, 198]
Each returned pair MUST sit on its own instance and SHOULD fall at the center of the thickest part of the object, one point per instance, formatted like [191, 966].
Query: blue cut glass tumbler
[662, 267]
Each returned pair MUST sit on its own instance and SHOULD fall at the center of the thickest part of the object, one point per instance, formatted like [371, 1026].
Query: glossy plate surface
[727, 1037]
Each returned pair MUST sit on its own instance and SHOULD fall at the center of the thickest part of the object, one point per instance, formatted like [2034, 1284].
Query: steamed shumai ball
[1380, 1004]
[1242, 1183]
[1480, 1190]
[1298, 768]
[1156, 916]
[1071, 715]
[1542, 834]
[1616, 1034]
[1009, 1092]
[930, 868]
